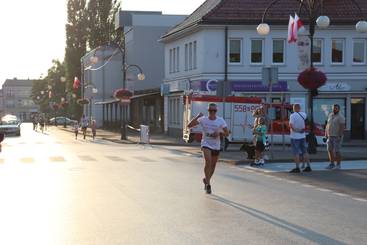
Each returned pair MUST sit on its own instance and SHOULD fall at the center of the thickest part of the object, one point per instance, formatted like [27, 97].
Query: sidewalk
[232, 155]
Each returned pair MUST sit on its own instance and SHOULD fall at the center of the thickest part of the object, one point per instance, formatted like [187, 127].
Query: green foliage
[101, 21]
[76, 43]
[40, 89]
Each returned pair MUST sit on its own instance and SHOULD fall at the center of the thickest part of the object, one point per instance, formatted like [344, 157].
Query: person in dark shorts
[213, 127]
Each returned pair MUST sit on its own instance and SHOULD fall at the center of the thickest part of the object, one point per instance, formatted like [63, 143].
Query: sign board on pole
[270, 75]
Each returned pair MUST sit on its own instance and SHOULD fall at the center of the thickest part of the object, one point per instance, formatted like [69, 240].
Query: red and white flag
[298, 26]
[291, 27]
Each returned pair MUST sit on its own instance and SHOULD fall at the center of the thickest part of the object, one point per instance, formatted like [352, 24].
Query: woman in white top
[213, 127]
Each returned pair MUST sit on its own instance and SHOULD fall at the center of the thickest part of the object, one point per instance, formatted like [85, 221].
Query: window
[170, 61]
[359, 51]
[174, 111]
[317, 51]
[195, 55]
[256, 51]
[235, 51]
[322, 107]
[278, 51]
[174, 60]
[186, 57]
[178, 59]
[337, 53]
[190, 56]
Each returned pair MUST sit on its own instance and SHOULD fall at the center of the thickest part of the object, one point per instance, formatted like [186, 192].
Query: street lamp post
[313, 7]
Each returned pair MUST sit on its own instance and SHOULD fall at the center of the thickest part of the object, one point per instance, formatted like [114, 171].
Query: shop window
[337, 54]
[323, 107]
[235, 51]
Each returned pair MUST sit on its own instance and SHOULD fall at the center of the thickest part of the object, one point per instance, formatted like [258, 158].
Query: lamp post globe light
[313, 8]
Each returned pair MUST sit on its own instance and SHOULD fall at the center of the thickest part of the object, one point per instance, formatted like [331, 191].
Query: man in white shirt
[212, 128]
[297, 127]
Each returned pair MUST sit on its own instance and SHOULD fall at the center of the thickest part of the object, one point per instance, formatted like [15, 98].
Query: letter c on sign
[211, 85]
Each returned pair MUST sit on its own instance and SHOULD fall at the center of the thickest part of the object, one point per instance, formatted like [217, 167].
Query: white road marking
[308, 186]
[292, 182]
[360, 199]
[340, 194]
[323, 190]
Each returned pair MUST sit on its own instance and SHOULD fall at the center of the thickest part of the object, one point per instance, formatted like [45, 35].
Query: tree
[76, 46]
[52, 82]
[101, 21]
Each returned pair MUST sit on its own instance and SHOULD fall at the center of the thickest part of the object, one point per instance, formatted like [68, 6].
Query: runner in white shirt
[213, 127]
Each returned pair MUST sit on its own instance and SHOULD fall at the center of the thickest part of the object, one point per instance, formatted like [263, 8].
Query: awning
[112, 101]
[107, 102]
[144, 95]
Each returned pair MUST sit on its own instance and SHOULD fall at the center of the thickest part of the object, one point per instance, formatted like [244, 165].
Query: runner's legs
[207, 154]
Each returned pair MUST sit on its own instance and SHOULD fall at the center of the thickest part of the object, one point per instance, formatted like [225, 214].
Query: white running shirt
[210, 127]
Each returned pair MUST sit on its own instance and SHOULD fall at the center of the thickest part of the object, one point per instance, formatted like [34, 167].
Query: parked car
[62, 120]
[10, 125]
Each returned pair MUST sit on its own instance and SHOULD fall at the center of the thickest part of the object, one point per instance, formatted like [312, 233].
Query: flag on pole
[291, 28]
[298, 26]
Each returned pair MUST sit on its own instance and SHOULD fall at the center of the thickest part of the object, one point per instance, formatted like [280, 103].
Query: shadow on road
[298, 230]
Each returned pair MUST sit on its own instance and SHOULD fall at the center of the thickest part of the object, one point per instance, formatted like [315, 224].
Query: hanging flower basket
[55, 107]
[64, 104]
[83, 101]
[122, 94]
[312, 78]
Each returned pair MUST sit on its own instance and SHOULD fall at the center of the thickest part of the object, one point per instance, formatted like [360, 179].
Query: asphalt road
[57, 190]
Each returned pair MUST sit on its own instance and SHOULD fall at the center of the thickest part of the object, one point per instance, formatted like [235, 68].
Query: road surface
[58, 190]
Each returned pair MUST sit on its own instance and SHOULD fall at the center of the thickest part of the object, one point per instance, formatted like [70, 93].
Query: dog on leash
[249, 149]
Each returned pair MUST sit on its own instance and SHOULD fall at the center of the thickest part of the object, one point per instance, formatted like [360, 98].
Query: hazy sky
[33, 32]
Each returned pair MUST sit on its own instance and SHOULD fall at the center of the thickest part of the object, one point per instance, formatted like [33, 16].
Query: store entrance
[358, 118]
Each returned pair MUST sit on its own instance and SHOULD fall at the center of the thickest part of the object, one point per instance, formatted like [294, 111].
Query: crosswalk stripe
[27, 160]
[116, 159]
[144, 159]
[57, 159]
[87, 158]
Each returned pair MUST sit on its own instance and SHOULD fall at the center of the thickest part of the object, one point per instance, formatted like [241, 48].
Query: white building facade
[17, 99]
[208, 48]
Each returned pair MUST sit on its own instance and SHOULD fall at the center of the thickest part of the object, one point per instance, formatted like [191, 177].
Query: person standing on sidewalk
[334, 133]
[213, 127]
[297, 127]
[76, 130]
[260, 134]
[84, 123]
[93, 126]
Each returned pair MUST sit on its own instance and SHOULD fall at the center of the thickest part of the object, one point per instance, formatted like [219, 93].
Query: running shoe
[337, 167]
[208, 189]
[330, 166]
[295, 171]
[307, 169]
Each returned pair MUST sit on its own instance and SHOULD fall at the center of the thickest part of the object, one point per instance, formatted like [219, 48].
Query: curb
[126, 142]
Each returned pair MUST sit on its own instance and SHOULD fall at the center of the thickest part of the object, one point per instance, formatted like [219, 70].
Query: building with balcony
[219, 42]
